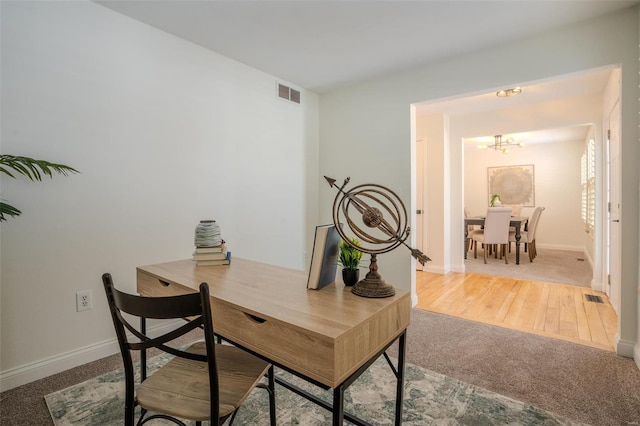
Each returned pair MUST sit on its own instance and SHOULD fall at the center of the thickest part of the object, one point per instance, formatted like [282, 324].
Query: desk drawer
[278, 341]
[151, 286]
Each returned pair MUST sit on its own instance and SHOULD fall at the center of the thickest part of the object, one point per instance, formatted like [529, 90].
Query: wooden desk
[328, 337]
[516, 222]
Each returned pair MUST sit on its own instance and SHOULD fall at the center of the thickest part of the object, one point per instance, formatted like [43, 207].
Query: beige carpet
[555, 266]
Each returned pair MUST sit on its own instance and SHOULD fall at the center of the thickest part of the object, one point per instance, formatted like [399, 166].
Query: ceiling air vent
[288, 93]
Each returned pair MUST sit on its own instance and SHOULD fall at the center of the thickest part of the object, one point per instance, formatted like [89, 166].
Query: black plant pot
[350, 276]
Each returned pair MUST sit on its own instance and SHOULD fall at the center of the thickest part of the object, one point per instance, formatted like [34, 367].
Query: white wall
[164, 133]
[372, 120]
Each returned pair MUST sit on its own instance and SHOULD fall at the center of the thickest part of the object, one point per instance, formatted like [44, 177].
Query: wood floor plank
[548, 309]
[552, 319]
[528, 312]
[508, 301]
[497, 298]
[568, 317]
[447, 294]
[430, 295]
[609, 318]
[584, 333]
[469, 292]
[513, 315]
[541, 311]
[598, 333]
[477, 305]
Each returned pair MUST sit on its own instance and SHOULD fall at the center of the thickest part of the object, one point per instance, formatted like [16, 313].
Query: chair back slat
[181, 306]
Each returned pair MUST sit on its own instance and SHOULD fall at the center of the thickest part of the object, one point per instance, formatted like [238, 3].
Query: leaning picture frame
[514, 184]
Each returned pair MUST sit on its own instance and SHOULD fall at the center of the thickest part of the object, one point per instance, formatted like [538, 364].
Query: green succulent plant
[32, 169]
[349, 256]
[493, 199]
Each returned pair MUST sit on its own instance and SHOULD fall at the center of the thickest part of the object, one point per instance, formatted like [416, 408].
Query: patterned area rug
[429, 399]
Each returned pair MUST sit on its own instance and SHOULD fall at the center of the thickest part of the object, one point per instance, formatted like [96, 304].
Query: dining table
[517, 222]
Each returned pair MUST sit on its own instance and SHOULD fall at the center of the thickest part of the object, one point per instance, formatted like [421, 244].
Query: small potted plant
[494, 201]
[350, 260]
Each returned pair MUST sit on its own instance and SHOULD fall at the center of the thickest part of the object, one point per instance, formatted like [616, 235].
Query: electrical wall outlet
[84, 300]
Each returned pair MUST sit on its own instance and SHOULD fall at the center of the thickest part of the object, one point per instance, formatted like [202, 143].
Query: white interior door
[420, 199]
[613, 289]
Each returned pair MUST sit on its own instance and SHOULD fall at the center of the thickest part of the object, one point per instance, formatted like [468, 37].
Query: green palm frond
[7, 210]
[32, 169]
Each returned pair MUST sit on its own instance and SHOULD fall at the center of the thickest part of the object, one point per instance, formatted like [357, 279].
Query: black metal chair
[205, 382]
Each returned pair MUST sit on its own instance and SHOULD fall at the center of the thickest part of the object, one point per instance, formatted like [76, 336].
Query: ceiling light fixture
[500, 145]
[509, 92]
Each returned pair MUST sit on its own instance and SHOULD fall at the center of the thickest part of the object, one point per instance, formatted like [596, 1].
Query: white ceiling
[532, 93]
[564, 134]
[586, 83]
[321, 45]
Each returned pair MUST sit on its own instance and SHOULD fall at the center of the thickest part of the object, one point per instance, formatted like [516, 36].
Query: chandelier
[502, 145]
[506, 93]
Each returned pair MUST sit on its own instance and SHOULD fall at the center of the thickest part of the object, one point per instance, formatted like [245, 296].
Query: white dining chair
[496, 232]
[529, 237]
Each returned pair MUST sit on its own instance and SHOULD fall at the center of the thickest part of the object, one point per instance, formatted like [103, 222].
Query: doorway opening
[443, 126]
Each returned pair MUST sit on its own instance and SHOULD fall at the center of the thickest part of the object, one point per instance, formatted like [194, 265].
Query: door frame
[612, 216]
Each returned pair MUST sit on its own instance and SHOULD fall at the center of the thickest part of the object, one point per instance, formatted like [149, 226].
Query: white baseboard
[49, 366]
[626, 348]
[436, 269]
[636, 355]
[561, 247]
[458, 268]
[31, 372]
[587, 257]
[414, 300]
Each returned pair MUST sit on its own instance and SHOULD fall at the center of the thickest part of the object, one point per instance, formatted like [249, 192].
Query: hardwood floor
[548, 309]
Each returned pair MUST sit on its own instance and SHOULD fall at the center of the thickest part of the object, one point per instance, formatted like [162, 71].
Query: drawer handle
[165, 283]
[255, 318]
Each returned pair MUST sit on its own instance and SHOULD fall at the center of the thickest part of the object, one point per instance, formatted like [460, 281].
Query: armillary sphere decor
[378, 218]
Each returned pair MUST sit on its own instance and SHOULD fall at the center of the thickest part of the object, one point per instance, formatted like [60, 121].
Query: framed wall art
[514, 184]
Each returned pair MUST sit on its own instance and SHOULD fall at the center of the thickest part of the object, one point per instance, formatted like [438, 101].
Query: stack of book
[216, 255]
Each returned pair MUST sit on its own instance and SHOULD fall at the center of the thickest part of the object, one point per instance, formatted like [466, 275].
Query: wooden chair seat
[181, 387]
